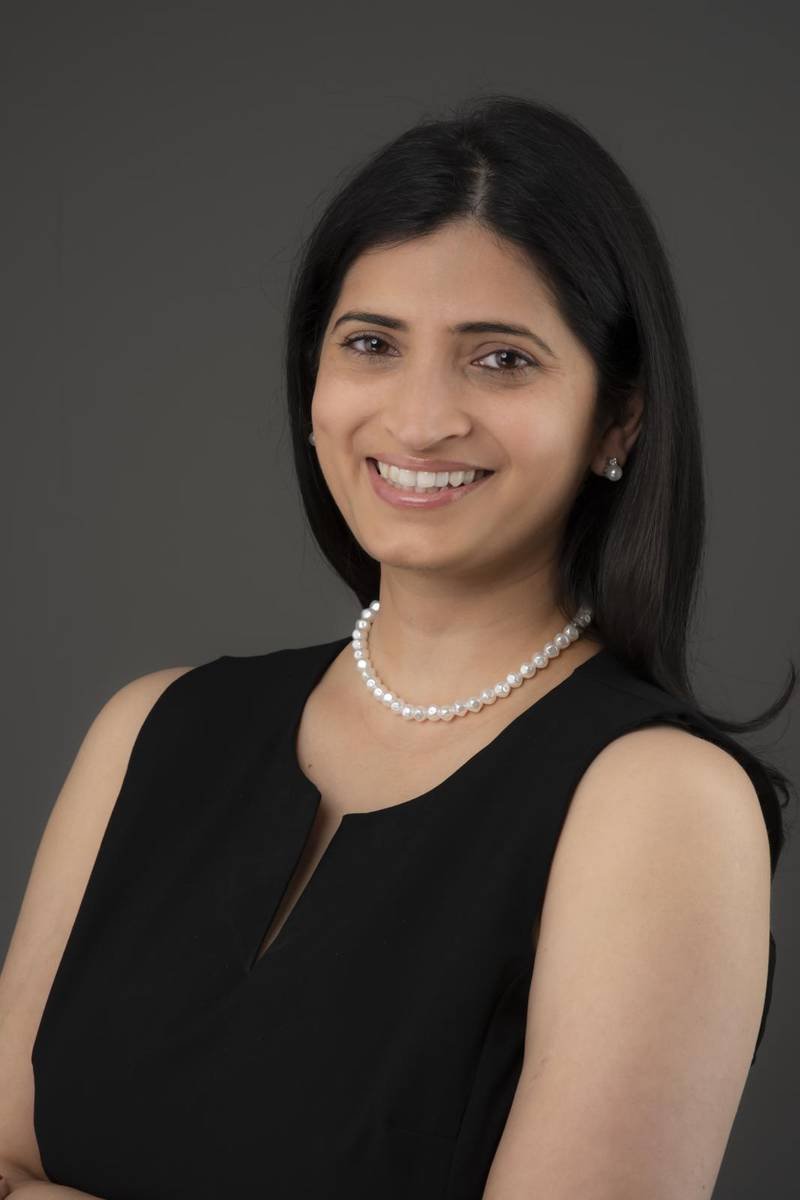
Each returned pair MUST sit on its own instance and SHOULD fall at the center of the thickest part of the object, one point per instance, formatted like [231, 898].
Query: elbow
[13, 1173]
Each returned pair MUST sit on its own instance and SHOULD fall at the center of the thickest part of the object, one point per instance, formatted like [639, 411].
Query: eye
[525, 363]
[349, 344]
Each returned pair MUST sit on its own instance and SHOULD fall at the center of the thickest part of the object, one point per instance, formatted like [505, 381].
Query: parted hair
[536, 177]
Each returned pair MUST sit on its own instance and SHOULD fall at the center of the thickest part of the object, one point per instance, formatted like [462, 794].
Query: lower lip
[408, 499]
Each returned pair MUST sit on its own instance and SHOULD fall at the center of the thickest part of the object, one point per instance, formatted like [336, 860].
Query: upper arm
[58, 878]
[649, 979]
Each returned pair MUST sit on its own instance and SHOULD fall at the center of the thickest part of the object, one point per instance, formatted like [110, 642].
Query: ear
[617, 440]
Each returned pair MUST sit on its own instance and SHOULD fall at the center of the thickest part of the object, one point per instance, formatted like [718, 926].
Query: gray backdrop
[160, 165]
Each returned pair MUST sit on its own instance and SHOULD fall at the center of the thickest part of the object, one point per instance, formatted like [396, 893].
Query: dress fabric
[375, 1047]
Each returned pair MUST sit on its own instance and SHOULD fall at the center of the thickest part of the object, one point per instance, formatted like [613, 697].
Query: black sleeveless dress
[373, 1051]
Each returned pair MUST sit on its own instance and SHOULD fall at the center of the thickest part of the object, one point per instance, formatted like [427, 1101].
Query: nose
[426, 408]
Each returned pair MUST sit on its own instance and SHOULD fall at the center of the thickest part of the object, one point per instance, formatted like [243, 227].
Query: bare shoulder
[666, 770]
[649, 978]
[663, 798]
[136, 698]
[57, 880]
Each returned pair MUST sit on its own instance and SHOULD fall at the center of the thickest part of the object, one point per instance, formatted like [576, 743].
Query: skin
[469, 587]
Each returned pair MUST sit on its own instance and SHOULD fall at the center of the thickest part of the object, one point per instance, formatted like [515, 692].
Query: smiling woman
[474, 901]
[489, 292]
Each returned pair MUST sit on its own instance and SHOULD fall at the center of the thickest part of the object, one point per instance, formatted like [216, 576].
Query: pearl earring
[612, 470]
[311, 438]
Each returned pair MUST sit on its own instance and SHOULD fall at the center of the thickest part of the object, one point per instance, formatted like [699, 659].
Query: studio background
[161, 164]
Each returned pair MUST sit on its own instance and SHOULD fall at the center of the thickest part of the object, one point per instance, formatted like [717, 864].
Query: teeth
[426, 481]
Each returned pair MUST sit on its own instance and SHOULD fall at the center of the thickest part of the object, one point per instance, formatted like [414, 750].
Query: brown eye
[526, 362]
[349, 344]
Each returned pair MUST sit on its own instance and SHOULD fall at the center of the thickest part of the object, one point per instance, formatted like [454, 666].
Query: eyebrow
[370, 318]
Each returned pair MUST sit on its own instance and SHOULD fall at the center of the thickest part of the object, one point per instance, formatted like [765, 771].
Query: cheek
[323, 406]
[542, 446]
[550, 463]
[336, 410]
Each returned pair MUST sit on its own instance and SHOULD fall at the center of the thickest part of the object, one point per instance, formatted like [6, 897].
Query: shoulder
[670, 798]
[666, 762]
[112, 730]
[670, 779]
[663, 861]
[110, 736]
[650, 972]
[95, 775]
[61, 867]
[627, 701]
[127, 707]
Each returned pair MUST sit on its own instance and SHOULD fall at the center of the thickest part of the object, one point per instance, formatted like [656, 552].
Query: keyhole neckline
[546, 705]
[285, 755]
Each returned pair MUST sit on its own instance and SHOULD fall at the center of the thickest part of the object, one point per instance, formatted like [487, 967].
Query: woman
[476, 901]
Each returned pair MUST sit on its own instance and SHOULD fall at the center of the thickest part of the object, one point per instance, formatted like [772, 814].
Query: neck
[435, 643]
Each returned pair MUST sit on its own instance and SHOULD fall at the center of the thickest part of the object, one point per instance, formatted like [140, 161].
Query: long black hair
[632, 550]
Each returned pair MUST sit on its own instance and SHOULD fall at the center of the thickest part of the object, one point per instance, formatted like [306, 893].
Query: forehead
[454, 273]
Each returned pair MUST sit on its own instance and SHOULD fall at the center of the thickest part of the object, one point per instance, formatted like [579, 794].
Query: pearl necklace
[458, 708]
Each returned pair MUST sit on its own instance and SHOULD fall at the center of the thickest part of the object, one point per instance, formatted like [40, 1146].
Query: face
[410, 389]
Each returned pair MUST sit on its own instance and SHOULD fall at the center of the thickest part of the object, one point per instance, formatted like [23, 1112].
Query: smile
[434, 497]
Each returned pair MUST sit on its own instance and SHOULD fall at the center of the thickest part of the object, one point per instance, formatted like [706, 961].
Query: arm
[58, 878]
[648, 982]
[36, 1189]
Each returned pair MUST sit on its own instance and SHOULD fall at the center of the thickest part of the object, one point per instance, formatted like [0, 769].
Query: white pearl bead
[459, 708]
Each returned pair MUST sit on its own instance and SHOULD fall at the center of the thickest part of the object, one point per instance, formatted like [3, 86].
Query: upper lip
[426, 464]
